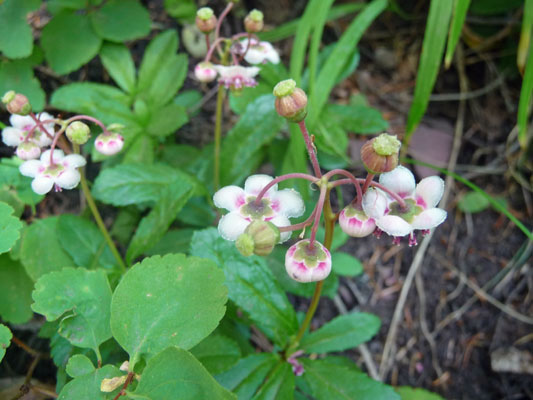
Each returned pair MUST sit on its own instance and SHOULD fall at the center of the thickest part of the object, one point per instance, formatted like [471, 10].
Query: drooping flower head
[21, 126]
[236, 77]
[420, 212]
[354, 222]
[259, 52]
[205, 72]
[276, 206]
[305, 263]
[62, 173]
[109, 143]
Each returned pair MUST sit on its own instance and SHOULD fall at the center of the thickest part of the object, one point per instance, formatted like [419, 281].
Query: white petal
[394, 225]
[281, 221]
[250, 72]
[73, 161]
[288, 202]
[254, 56]
[12, 136]
[229, 197]
[21, 121]
[224, 71]
[400, 180]
[69, 179]
[232, 225]
[374, 203]
[42, 185]
[58, 156]
[270, 53]
[255, 183]
[429, 219]
[30, 168]
[430, 191]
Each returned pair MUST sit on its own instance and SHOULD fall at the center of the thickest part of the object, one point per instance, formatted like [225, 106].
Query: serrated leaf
[279, 385]
[15, 292]
[156, 223]
[87, 387]
[79, 365]
[82, 299]
[82, 240]
[174, 241]
[18, 76]
[11, 179]
[247, 375]
[5, 340]
[191, 292]
[118, 62]
[409, 393]
[175, 370]
[346, 265]
[40, 250]
[342, 333]
[69, 41]
[251, 285]
[217, 353]
[121, 20]
[166, 120]
[329, 381]
[10, 227]
[16, 36]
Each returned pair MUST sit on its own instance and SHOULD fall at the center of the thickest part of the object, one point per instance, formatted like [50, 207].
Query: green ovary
[310, 257]
[261, 211]
[409, 213]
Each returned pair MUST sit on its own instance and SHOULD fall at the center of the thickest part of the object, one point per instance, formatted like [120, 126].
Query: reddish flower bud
[253, 22]
[16, 103]
[381, 153]
[206, 20]
[291, 101]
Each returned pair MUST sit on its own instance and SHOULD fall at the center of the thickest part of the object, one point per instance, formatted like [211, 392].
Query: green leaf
[358, 119]
[217, 353]
[12, 180]
[40, 249]
[251, 285]
[5, 340]
[342, 333]
[332, 139]
[460, 8]
[118, 62]
[279, 385]
[240, 102]
[174, 241]
[121, 20]
[156, 223]
[191, 292]
[176, 371]
[346, 265]
[437, 25]
[82, 240]
[409, 393]
[141, 150]
[329, 381]
[302, 36]
[493, 7]
[162, 72]
[166, 120]
[524, 105]
[82, 299]
[248, 374]
[135, 183]
[10, 227]
[56, 6]
[79, 365]
[257, 127]
[18, 76]
[15, 292]
[473, 202]
[197, 212]
[69, 41]
[87, 387]
[181, 9]
[16, 37]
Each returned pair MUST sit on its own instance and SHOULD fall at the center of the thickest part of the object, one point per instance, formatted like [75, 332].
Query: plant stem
[368, 179]
[275, 181]
[218, 133]
[97, 216]
[310, 148]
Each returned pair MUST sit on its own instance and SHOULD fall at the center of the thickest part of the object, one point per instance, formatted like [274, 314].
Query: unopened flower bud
[381, 153]
[259, 237]
[28, 151]
[291, 101]
[206, 20]
[16, 103]
[78, 132]
[205, 72]
[354, 222]
[253, 22]
[306, 263]
[109, 143]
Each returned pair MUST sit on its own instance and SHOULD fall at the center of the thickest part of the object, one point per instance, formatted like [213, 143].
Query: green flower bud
[253, 22]
[260, 237]
[8, 97]
[291, 101]
[78, 132]
[381, 153]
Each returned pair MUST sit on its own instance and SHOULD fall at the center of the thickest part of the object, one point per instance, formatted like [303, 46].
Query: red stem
[301, 225]
[88, 118]
[128, 381]
[220, 19]
[368, 179]
[395, 196]
[282, 178]
[310, 148]
[207, 41]
[354, 180]
[212, 48]
[318, 214]
[40, 125]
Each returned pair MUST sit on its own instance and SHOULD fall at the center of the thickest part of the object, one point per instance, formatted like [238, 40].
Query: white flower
[259, 52]
[354, 222]
[205, 72]
[308, 264]
[109, 143]
[420, 212]
[62, 174]
[28, 151]
[236, 77]
[20, 127]
[275, 206]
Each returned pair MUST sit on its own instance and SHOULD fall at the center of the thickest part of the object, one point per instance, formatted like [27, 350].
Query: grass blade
[525, 35]
[459, 14]
[524, 104]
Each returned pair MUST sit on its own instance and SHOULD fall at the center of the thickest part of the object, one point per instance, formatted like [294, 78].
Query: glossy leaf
[10, 227]
[342, 333]
[346, 265]
[279, 385]
[174, 241]
[40, 249]
[69, 41]
[18, 75]
[251, 285]
[409, 393]
[87, 387]
[473, 202]
[358, 119]
[119, 64]
[460, 9]
[167, 120]
[79, 365]
[432, 50]
[82, 299]
[16, 36]
[191, 292]
[121, 20]
[15, 291]
[174, 371]
[217, 353]
[5, 340]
